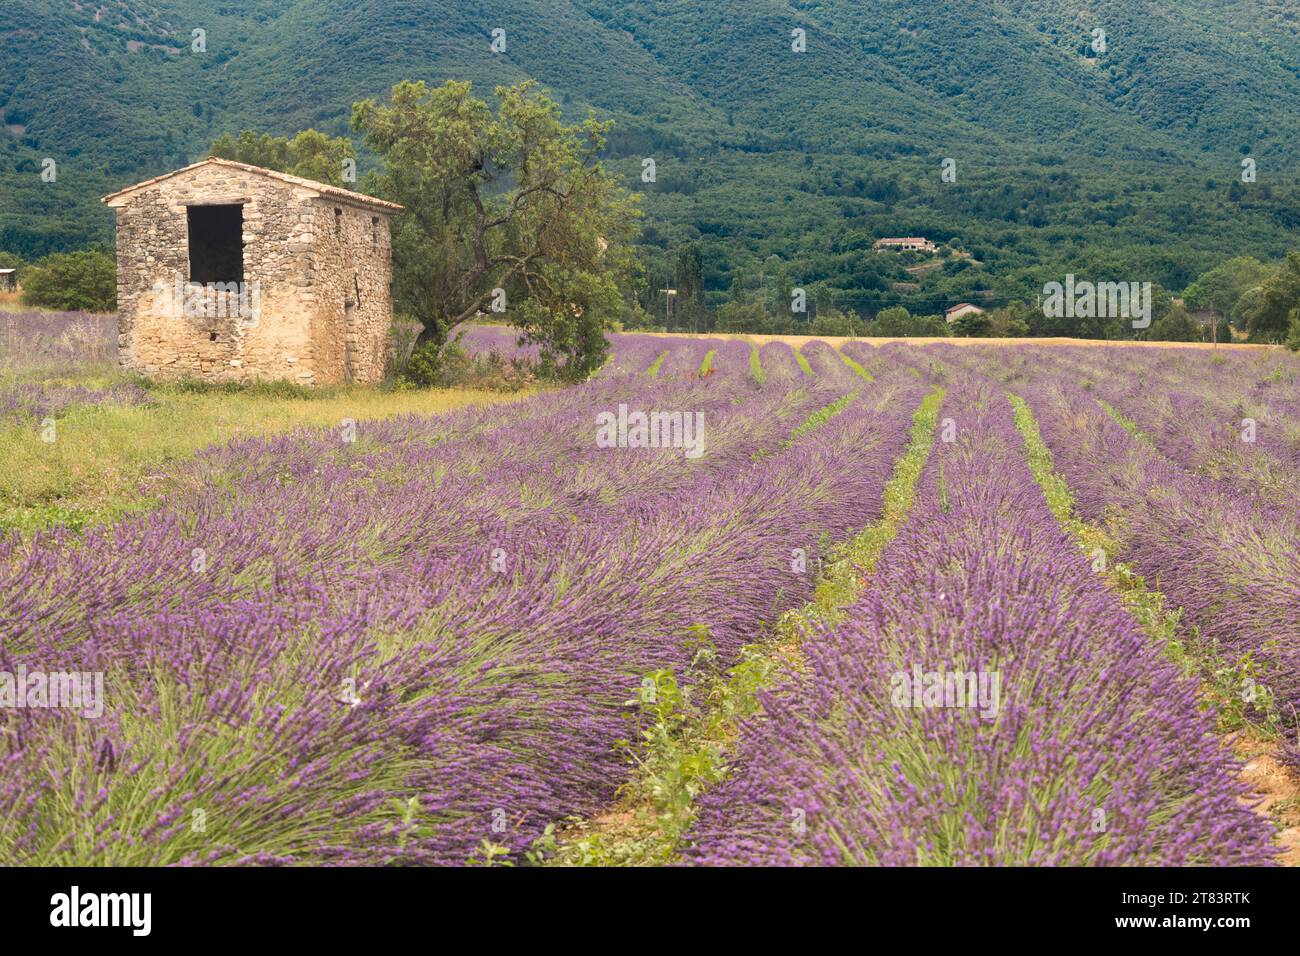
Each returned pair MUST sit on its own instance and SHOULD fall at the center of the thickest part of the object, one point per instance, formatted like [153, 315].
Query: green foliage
[1221, 288]
[507, 209]
[1176, 326]
[973, 325]
[1270, 312]
[311, 154]
[892, 321]
[897, 321]
[449, 366]
[1121, 169]
[73, 282]
[10, 261]
[744, 318]
[831, 321]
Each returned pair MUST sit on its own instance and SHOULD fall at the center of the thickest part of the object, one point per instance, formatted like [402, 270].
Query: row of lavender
[1234, 417]
[56, 342]
[1210, 520]
[677, 356]
[989, 701]
[402, 643]
[1230, 561]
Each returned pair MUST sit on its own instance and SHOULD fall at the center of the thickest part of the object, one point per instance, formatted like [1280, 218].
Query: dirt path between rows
[1277, 793]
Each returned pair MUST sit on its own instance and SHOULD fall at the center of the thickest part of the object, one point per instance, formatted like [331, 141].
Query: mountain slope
[1065, 154]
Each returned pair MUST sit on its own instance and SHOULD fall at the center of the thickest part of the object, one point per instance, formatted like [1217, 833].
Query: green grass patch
[1128, 424]
[756, 365]
[802, 359]
[109, 460]
[707, 365]
[657, 364]
[857, 369]
[820, 417]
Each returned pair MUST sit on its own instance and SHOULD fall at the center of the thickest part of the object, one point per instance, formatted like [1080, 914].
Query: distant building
[231, 272]
[960, 309]
[912, 244]
[8, 280]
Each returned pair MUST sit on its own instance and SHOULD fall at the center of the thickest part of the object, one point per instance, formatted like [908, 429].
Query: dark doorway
[216, 243]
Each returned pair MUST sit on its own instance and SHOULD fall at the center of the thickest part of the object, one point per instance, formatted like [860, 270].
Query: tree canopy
[507, 211]
[310, 154]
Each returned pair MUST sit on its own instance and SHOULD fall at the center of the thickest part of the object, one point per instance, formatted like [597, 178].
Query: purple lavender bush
[989, 701]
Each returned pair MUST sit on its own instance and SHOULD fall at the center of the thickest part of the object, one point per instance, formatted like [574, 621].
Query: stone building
[230, 272]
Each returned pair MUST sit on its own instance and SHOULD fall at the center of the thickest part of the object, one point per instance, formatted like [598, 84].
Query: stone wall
[292, 320]
[352, 293]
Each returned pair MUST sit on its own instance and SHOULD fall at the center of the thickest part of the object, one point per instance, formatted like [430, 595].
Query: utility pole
[668, 301]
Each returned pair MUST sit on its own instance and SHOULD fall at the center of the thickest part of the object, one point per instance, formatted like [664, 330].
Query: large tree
[1220, 289]
[507, 211]
[1269, 311]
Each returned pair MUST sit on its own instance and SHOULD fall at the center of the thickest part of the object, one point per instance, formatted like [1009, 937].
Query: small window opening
[374, 231]
[212, 336]
[338, 221]
[216, 243]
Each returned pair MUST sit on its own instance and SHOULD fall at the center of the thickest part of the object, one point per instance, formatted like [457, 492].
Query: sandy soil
[1277, 791]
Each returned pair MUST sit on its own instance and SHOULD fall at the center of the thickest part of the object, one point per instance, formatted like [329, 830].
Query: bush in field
[1176, 326]
[450, 366]
[897, 321]
[1293, 339]
[973, 325]
[832, 322]
[72, 282]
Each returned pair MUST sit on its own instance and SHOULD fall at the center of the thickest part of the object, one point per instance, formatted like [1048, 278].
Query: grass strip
[858, 369]
[653, 370]
[756, 365]
[683, 749]
[802, 359]
[1221, 681]
[707, 365]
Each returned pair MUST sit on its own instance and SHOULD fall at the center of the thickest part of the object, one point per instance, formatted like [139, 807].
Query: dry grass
[110, 459]
[797, 341]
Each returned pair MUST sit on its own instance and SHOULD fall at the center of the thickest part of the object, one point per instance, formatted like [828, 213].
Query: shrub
[72, 282]
[450, 366]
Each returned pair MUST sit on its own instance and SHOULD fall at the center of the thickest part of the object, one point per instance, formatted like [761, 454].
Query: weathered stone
[307, 249]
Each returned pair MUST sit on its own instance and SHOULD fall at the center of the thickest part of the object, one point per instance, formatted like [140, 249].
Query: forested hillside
[1116, 152]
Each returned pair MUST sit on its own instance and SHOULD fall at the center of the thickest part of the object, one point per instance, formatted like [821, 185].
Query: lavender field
[721, 604]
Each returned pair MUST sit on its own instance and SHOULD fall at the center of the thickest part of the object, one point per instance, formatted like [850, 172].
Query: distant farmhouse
[914, 244]
[960, 309]
[231, 272]
[8, 280]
